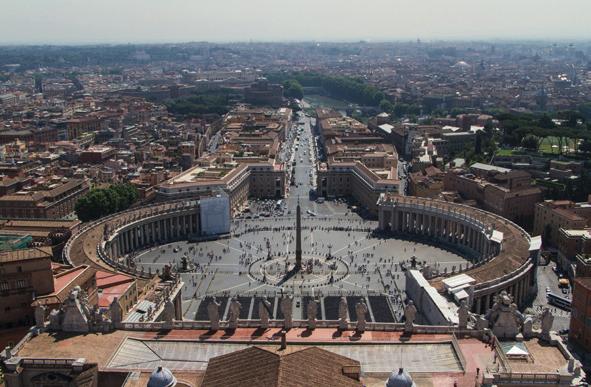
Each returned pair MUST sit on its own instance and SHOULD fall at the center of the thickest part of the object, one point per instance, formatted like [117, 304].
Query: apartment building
[24, 275]
[52, 200]
[238, 181]
[553, 215]
[580, 321]
[502, 191]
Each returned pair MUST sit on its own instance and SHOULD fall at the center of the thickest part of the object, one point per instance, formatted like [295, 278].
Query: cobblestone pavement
[260, 253]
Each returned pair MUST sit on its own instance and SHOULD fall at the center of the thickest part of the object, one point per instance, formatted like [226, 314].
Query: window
[4, 286]
[21, 283]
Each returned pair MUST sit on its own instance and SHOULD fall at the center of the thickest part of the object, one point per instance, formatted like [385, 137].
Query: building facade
[552, 215]
[53, 202]
[580, 321]
[24, 275]
[509, 194]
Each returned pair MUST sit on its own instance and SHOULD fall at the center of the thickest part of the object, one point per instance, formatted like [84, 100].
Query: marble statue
[547, 321]
[115, 312]
[343, 313]
[55, 320]
[410, 313]
[40, 316]
[286, 309]
[312, 312]
[213, 313]
[234, 313]
[166, 273]
[528, 327]
[264, 312]
[96, 316]
[76, 312]
[470, 291]
[361, 310]
[168, 313]
[504, 317]
[463, 315]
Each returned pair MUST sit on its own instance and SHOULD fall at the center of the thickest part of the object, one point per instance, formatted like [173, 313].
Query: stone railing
[18, 346]
[529, 378]
[119, 266]
[502, 358]
[512, 276]
[370, 326]
[456, 345]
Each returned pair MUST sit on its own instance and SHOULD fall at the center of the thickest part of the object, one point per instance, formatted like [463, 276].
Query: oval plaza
[221, 257]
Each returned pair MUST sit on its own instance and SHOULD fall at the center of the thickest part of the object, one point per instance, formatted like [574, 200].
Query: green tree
[530, 142]
[99, 202]
[293, 89]
[546, 122]
[386, 106]
[585, 146]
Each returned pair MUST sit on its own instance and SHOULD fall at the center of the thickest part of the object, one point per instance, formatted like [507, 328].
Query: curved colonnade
[501, 252]
[107, 242]
[498, 249]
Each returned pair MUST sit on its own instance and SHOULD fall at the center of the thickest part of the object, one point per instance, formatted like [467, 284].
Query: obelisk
[298, 237]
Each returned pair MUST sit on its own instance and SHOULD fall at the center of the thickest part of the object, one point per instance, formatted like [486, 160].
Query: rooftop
[488, 167]
[25, 254]
[431, 355]
[269, 366]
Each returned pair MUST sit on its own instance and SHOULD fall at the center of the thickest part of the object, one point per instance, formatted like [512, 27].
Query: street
[548, 279]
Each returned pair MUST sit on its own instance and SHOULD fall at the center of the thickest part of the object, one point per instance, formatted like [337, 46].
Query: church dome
[400, 379]
[461, 64]
[162, 377]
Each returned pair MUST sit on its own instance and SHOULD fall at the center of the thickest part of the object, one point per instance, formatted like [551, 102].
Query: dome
[400, 379]
[462, 64]
[162, 377]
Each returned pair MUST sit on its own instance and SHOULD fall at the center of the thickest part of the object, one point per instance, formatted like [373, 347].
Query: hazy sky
[106, 21]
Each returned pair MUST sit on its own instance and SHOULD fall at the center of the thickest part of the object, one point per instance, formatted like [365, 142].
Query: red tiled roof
[108, 294]
[62, 279]
[106, 279]
[257, 366]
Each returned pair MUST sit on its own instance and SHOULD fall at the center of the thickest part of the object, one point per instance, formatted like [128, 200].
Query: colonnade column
[394, 220]
[124, 243]
[518, 290]
[136, 238]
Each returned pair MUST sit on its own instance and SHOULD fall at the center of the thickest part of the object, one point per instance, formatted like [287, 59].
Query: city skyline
[318, 193]
[84, 22]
